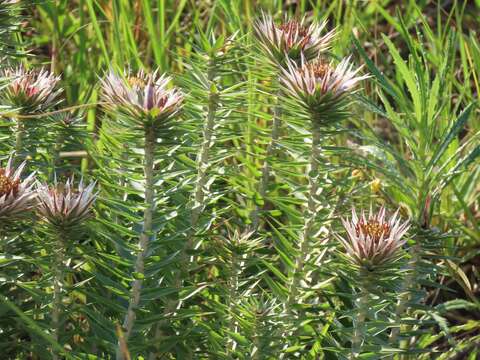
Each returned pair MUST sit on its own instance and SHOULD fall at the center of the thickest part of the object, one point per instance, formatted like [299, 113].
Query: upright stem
[19, 134]
[144, 238]
[122, 182]
[359, 321]
[56, 153]
[263, 186]
[232, 299]
[58, 275]
[310, 215]
[203, 163]
[405, 292]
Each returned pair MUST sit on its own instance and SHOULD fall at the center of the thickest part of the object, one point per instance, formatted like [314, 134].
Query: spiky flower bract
[322, 88]
[291, 39]
[64, 206]
[143, 97]
[30, 91]
[16, 195]
[374, 240]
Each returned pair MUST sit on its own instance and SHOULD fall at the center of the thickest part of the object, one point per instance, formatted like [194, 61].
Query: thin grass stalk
[203, 164]
[58, 283]
[405, 292]
[144, 238]
[310, 215]
[263, 186]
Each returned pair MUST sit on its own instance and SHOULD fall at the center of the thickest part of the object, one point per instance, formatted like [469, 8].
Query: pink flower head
[141, 96]
[321, 87]
[16, 195]
[291, 39]
[30, 90]
[373, 240]
[62, 205]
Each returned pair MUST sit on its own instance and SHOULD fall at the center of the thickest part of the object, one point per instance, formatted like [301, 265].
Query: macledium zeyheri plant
[64, 208]
[372, 242]
[288, 42]
[145, 101]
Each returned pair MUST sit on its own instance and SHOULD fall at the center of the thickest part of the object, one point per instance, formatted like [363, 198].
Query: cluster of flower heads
[60, 204]
[30, 90]
[373, 240]
[319, 85]
[142, 97]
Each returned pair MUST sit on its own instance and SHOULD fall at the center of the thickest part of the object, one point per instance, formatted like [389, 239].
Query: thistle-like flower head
[16, 195]
[321, 87]
[373, 240]
[30, 90]
[64, 206]
[142, 96]
[291, 39]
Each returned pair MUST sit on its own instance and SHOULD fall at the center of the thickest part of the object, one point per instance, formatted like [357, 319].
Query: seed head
[30, 90]
[373, 240]
[62, 205]
[291, 39]
[16, 195]
[141, 96]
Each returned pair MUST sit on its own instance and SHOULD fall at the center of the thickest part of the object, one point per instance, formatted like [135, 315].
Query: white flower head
[30, 90]
[141, 96]
[64, 206]
[291, 39]
[374, 240]
[16, 195]
[322, 87]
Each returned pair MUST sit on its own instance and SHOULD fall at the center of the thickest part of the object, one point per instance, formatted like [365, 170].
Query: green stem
[58, 280]
[232, 300]
[150, 140]
[19, 135]
[203, 164]
[122, 182]
[359, 332]
[405, 292]
[203, 161]
[310, 215]
[56, 153]
[263, 186]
